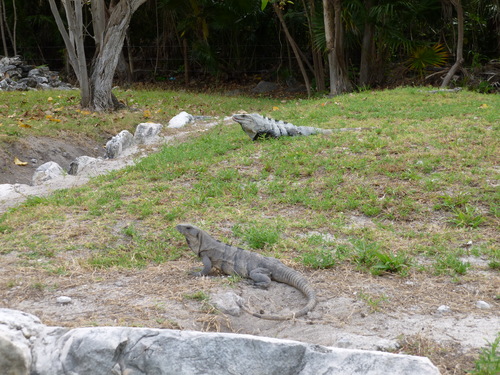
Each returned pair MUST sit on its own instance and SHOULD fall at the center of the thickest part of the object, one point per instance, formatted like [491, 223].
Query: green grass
[421, 183]
[488, 362]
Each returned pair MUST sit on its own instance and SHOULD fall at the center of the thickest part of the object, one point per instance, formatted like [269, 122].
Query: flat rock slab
[124, 350]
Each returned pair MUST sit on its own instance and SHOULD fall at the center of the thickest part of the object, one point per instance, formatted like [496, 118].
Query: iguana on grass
[256, 126]
[233, 260]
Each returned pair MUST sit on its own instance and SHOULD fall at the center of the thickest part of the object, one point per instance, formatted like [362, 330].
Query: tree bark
[367, 48]
[318, 69]
[339, 80]
[2, 29]
[294, 46]
[109, 36]
[73, 40]
[460, 43]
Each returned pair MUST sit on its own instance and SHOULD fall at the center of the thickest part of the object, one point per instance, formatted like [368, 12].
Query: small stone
[483, 305]
[81, 163]
[63, 300]
[119, 143]
[146, 131]
[229, 303]
[46, 172]
[180, 120]
[444, 309]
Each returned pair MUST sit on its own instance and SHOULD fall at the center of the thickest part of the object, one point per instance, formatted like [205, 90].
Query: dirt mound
[36, 151]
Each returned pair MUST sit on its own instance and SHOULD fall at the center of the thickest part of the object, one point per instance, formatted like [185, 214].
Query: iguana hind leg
[261, 277]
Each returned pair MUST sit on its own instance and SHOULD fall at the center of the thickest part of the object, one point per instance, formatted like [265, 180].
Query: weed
[452, 202]
[197, 296]
[232, 280]
[387, 262]
[258, 236]
[11, 284]
[130, 231]
[450, 264]
[319, 259]
[489, 359]
[39, 286]
[374, 302]
[369, 256]
[468, 217]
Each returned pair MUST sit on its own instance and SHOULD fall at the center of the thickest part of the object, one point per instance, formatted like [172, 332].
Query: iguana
[233, 260]
[256, 126]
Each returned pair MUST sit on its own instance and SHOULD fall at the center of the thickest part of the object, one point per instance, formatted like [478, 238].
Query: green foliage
[197, 296]
[450, 263]
[258, 236]
[489, 359]
[468, 217]
[319, 259]
[427, 56]
[374, 302]
[369, 256]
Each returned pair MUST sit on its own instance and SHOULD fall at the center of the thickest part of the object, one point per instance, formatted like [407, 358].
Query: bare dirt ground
[355, 310]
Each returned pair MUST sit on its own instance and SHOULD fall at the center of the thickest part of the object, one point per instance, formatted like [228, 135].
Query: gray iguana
[233, 260]
[256, 126]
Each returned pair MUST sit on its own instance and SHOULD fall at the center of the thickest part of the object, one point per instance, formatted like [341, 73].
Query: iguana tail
[288, 276]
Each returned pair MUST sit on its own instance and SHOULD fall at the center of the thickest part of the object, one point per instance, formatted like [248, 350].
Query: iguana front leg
[207, 266]
[261, 277]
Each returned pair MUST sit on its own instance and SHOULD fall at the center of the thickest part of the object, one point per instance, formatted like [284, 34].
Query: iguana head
[194, 236]
[251, 123]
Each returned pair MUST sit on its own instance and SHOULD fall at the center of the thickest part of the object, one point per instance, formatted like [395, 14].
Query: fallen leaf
[483, 106]
[276, 108]
[19, 162]
[147, 113]
[23, 125]
[49, 99]
[54, 119]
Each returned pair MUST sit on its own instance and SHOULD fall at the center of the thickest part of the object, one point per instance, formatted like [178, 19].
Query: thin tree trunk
[73, 40]
[367, 48]
[460, 43]
[2, 28]
[294, 46]
[186, 60]
[14, 28]
[339, 80]
[319, 73]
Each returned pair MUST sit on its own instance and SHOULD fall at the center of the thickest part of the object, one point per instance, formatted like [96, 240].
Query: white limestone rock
[146, 131]
[118, 144]
[27, 346]
[46, 172]
[180, 120]
[82, 163]
[229, 303]
[483, 305]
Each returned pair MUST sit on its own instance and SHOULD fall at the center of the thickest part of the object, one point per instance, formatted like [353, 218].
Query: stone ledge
[125, 350]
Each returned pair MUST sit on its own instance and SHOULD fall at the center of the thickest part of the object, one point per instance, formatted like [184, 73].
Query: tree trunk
[73, 40]
[294, 46]
[109, 37]
[318, 70]
[14, 28]
[2, 29]
[367, 48]
[339, 80]
[185, 55]
[460, 43]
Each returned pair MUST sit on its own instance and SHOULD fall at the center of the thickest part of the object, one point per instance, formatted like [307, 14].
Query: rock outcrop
[15, 74]
[27, 346]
